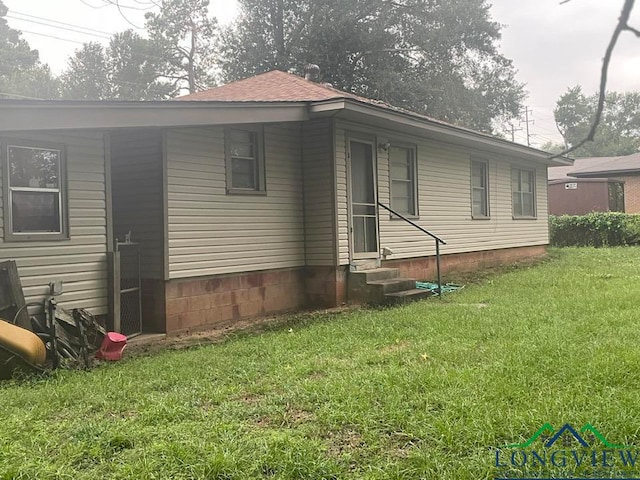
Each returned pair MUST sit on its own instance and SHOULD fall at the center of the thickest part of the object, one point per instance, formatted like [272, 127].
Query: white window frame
[413, 168]
[258, 159]
[61, 190]
[487, 211]
[520, 215]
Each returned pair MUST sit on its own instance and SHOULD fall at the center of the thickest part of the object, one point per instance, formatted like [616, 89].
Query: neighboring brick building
[632, 193]
[596, 184]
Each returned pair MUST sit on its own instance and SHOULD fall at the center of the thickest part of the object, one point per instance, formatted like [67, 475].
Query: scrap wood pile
[52, 337]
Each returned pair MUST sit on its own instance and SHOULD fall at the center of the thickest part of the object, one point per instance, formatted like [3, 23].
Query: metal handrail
[436, 238]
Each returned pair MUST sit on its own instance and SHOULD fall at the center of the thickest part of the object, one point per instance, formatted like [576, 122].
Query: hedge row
[597, 229]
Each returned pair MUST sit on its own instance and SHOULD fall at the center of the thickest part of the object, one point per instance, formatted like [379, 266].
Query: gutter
[436, 129]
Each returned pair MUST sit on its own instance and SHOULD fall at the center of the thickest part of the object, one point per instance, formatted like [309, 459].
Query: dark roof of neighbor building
[597, 167]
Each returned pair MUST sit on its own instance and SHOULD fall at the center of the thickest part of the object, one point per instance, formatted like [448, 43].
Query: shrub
[596, 229]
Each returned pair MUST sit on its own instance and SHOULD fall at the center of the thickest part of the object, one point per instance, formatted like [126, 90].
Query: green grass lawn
[420, 391]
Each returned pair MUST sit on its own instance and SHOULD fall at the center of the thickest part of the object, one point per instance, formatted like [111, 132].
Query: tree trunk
[277, 20]
[191, 68]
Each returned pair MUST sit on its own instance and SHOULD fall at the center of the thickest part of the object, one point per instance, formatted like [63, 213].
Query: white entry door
[363, 199]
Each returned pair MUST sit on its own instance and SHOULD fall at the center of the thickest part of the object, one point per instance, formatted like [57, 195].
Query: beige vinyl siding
[320, 247]
[211, 232]
[444, 199]
[342, 196]
[137, 182]
[80, 261]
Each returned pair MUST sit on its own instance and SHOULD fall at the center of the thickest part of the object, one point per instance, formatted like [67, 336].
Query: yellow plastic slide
[20, 349]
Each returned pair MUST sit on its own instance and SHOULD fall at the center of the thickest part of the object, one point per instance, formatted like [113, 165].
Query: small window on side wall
[244, 160]
[403, 179]
[523, 190]
[34, 191]
[479, 189]
[616, 196]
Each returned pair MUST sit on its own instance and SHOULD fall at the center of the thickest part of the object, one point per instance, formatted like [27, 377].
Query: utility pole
[527, 121]
[511, 128]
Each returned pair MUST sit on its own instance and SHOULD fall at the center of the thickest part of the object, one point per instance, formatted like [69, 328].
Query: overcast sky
[552, 46]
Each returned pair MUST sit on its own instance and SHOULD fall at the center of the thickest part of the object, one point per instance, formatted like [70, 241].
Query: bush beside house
[596, 229]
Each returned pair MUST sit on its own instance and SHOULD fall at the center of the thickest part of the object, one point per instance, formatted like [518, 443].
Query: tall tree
[87, 76]
[619, 129]
[21, 73]
[437, 57]
[185, 34]
[135, 66]
[130, 68]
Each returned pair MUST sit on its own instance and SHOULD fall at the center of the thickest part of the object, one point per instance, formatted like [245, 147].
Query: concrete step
[366, 276]
[406, 296]
[391, 285]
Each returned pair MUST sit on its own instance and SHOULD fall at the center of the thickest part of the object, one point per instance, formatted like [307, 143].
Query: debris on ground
[433, 287]
[53, 337]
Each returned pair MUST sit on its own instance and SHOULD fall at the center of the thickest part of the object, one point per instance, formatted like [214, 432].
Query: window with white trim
[33, 182]
[479, 189]
[402, 174]
[523, 193]
[244, 160]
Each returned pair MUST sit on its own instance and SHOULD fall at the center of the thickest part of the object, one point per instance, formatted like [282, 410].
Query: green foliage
[552, 147]
[87, 76]
[596, 229]
[135, 67]
[619, 130]
[185, 36]
[21, 73]
[177, 55]
[128, 69]
[423, 391]
[438, 57]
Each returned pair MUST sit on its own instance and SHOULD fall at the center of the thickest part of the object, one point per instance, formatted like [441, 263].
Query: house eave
[60, 115]
[605, 174]
[381, 116]
[560, 181]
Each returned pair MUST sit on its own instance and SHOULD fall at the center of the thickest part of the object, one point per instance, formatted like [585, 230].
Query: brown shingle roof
[273, 86]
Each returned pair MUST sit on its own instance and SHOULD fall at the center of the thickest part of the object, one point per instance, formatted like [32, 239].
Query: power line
[139, 54]
[53, 36]
[107, 36]
[56, 21]
[20, 96]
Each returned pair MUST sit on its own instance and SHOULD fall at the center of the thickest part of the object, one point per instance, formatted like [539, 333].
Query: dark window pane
[526, 182]
[402, 205]
[242, 144]
[359, 209]
[400, 171]
[479, 206]
[515, 180]
[517, 204]
[400, 155]
[478, 175]
[243, 173]
[616, 197]
[35, 212]
[34, 167]
[527, 204]
[364, 235]
[402, 197]
[362, 186]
